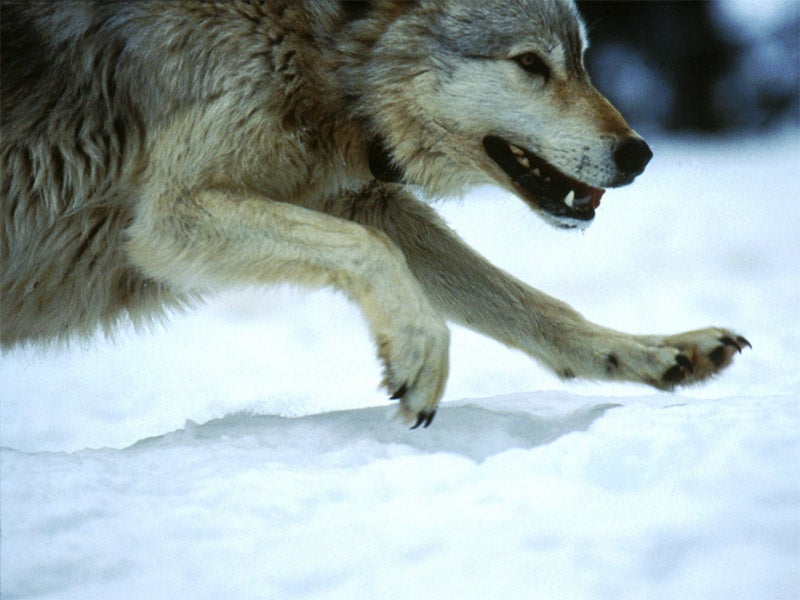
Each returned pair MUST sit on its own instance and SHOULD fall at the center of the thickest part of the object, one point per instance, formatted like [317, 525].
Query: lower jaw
[560, 217]
[562, 222]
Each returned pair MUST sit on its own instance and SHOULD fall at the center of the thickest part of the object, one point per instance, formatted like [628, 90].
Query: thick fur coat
[154, 150]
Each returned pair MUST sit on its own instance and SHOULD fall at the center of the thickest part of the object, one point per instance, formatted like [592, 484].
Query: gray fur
[155, 150]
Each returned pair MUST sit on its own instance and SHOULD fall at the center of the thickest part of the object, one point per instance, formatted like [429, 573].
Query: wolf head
[465, 92]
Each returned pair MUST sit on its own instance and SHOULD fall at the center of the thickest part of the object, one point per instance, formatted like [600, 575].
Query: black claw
[424, 419]
[729, 341]
[674, 375]
[685, 363]
[743, 342]
[400, 392]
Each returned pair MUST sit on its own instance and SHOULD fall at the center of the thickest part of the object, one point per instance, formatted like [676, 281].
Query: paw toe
[684, 363]
[679, 372]
[673, 376]
[718, 356]
[729, 344]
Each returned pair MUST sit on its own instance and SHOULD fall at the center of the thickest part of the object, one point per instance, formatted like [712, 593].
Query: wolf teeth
[569, 199]
[524, 161]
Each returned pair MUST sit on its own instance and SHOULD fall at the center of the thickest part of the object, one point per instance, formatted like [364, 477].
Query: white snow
[243, 450]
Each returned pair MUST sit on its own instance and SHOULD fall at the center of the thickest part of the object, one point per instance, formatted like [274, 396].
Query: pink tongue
[592, 200]
[597, 193]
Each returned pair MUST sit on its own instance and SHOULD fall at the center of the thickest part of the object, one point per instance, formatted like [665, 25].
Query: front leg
[196, 241]
[467, 289]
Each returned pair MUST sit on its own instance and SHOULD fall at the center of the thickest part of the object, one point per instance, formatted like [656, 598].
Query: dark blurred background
[714, 66]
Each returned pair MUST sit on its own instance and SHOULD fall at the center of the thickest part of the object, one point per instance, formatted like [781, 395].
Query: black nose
[632, 155]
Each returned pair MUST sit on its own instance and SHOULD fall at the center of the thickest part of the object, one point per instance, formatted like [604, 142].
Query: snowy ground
[244, 451]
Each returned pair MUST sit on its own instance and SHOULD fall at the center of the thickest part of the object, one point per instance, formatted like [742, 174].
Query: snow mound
[543, 494]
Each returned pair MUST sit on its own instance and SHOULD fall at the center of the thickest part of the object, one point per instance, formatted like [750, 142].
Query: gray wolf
[156, 150]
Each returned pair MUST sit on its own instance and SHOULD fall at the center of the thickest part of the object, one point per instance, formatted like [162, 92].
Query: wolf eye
[532, 63]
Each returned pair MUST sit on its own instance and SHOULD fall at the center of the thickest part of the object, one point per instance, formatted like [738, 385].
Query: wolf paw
[697, 355]
[666, 362]
[415, 371]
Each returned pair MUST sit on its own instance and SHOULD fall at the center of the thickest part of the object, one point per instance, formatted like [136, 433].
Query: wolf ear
[380, 163]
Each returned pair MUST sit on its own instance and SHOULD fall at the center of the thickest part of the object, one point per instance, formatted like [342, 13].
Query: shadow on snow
[470, 431]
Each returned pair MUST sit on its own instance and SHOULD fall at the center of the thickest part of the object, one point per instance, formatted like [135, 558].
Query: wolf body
[155, 150]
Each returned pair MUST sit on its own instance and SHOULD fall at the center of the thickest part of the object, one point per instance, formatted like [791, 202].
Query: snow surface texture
[244, 451]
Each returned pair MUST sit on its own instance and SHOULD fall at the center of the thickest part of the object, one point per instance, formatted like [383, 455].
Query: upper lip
[543, 185]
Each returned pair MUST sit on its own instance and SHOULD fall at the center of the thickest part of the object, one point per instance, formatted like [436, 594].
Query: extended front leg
[210, 239]
[467, 289]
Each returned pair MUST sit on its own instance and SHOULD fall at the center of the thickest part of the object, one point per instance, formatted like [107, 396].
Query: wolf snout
[631, 157]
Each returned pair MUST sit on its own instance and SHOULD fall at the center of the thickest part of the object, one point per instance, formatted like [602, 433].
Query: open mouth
[570, 202]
